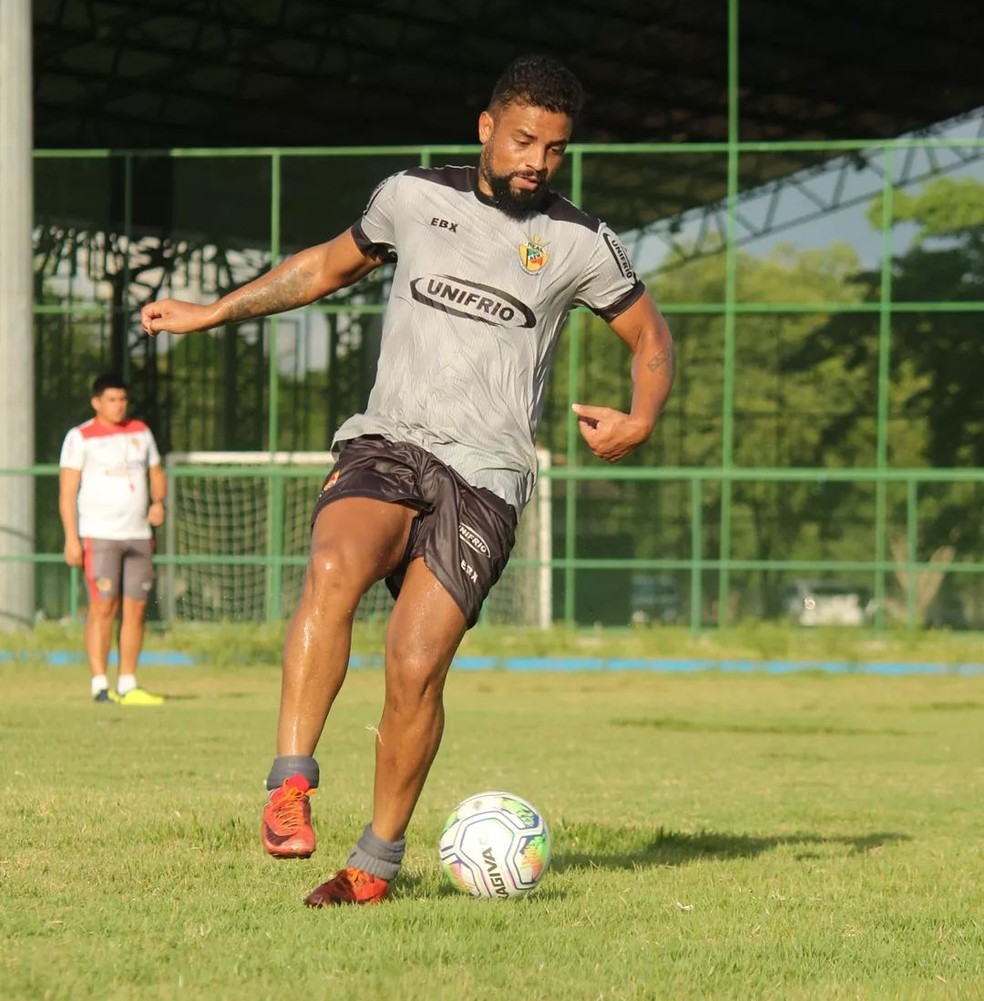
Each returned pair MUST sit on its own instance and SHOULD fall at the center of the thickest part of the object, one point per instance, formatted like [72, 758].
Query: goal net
[237, 535]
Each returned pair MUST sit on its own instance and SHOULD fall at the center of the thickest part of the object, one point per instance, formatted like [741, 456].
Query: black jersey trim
[459, 178]
[465, 179]
[555, 207]
[380, 251]
[484, 198]
[620, 305]
[559, 208]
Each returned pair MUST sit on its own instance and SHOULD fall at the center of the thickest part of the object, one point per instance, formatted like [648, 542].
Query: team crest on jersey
[532, 255]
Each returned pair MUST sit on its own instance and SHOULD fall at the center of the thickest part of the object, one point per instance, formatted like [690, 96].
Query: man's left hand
[610, 434]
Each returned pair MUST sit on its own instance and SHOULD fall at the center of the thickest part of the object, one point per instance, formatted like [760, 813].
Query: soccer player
[108, 520]
[431, 478]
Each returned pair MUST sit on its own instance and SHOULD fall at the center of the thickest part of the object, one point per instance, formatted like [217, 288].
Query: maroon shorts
[464, 533]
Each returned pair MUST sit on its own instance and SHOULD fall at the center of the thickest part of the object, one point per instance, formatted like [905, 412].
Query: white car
[824, 603]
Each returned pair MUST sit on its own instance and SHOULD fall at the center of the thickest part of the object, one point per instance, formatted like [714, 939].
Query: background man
[103, 502]
[431, 478]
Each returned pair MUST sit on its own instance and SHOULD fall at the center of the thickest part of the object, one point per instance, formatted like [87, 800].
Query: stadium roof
[160, 73]
[153, 74]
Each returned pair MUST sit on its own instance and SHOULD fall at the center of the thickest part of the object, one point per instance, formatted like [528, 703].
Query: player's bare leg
[132, 624]
[132, 621]
[356, 541]
[98, 632]
[424, 632]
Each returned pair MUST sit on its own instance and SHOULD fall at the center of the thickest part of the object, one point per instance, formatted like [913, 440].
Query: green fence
[259, 571]
[825, 300]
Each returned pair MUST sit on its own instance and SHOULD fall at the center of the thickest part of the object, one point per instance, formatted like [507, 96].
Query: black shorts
[464, 533]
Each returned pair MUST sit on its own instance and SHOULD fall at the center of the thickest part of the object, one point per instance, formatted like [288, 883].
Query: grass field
[715, 836]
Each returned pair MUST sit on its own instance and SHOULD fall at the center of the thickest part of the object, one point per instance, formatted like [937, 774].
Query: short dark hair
[540, 82]
[108, 380]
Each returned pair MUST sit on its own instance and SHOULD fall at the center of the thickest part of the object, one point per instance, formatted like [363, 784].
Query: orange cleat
[286, 830]
[349, 886]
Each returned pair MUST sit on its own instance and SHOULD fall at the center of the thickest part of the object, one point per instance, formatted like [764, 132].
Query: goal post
[237, 535]
[236, 532]
[524, 594]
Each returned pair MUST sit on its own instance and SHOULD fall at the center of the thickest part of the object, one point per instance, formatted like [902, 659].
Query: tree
[936, 365]
[785, 414]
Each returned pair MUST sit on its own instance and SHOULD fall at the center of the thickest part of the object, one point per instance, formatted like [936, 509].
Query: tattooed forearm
[272, 294]
[660, 360]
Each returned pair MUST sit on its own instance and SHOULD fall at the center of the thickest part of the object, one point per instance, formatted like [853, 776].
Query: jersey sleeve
[609, 285]
[72, 450]
[375, 230]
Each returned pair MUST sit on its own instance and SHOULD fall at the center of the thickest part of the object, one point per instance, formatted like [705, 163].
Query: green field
[715, 836]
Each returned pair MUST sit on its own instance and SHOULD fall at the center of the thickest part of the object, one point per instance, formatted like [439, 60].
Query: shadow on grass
[598, 847]
[789, 728]
[194, 697]
[630, 848]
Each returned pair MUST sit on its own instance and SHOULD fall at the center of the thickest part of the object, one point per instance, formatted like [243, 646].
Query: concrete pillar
[17, 603]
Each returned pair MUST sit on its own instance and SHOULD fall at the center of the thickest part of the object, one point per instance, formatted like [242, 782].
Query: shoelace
[356, 878]
[289, 809]
[348, 884]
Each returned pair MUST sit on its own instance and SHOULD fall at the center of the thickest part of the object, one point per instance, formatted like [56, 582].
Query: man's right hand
[176, 317]
[73, 552]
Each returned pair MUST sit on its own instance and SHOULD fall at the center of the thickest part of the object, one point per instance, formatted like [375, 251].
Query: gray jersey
[477, 303]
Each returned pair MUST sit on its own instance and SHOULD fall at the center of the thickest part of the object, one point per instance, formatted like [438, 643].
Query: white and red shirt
[113, 460]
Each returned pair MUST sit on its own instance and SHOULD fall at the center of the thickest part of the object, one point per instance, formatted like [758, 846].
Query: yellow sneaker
[139, 697]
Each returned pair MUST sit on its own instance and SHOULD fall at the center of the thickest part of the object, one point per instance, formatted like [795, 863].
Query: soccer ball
[495, 845]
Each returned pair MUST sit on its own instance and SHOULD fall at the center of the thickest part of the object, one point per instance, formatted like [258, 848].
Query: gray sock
[293, 764]
[376, 856]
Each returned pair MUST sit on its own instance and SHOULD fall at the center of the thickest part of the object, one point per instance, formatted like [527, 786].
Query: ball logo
[472, 301]
[495, 877]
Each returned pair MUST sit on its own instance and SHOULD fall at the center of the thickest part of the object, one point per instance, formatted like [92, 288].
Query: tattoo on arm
[659, 360]
[286, 291]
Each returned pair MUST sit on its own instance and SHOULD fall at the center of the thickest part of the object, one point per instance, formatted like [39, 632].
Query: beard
[515, 204]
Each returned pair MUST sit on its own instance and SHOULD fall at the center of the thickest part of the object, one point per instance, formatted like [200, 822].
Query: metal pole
[696, 555]
[884, 387]
[730, 295]
[17, 598]
[912, 538]
[275, 484]
[126, 365]
[171, 545]
[574, 391]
